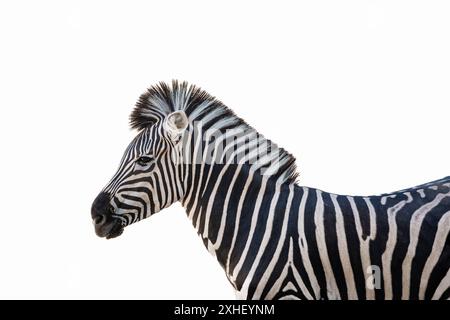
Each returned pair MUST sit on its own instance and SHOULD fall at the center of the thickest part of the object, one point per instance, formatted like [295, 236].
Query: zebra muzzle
[106, 225]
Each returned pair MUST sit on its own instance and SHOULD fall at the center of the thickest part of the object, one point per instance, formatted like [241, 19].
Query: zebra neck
[213, 189]
[224, 204]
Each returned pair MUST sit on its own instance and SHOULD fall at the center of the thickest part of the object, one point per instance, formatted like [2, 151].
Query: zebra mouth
[116, 230]
[109, 229]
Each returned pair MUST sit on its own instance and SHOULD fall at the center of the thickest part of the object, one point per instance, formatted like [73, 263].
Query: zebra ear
[175, 124]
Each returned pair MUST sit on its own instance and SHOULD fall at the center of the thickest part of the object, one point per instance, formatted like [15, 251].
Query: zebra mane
[162, 99]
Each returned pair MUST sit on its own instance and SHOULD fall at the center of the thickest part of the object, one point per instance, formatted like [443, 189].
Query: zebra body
[274, 238]
[284, 240]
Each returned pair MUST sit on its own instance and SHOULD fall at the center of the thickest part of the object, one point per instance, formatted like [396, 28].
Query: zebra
[274, 238]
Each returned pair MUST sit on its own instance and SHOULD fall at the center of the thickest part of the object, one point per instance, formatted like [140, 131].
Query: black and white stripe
[274, 238]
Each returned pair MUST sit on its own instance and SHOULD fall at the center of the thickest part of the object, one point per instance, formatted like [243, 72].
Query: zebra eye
[144, 160]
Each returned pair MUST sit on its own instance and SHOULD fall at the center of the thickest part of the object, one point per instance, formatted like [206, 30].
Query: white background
[358, 91]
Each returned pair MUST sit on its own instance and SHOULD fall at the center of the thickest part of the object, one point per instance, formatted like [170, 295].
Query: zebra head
[180, 126]
[148, 178]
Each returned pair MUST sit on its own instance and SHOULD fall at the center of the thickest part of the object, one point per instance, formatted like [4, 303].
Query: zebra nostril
[99, 219]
